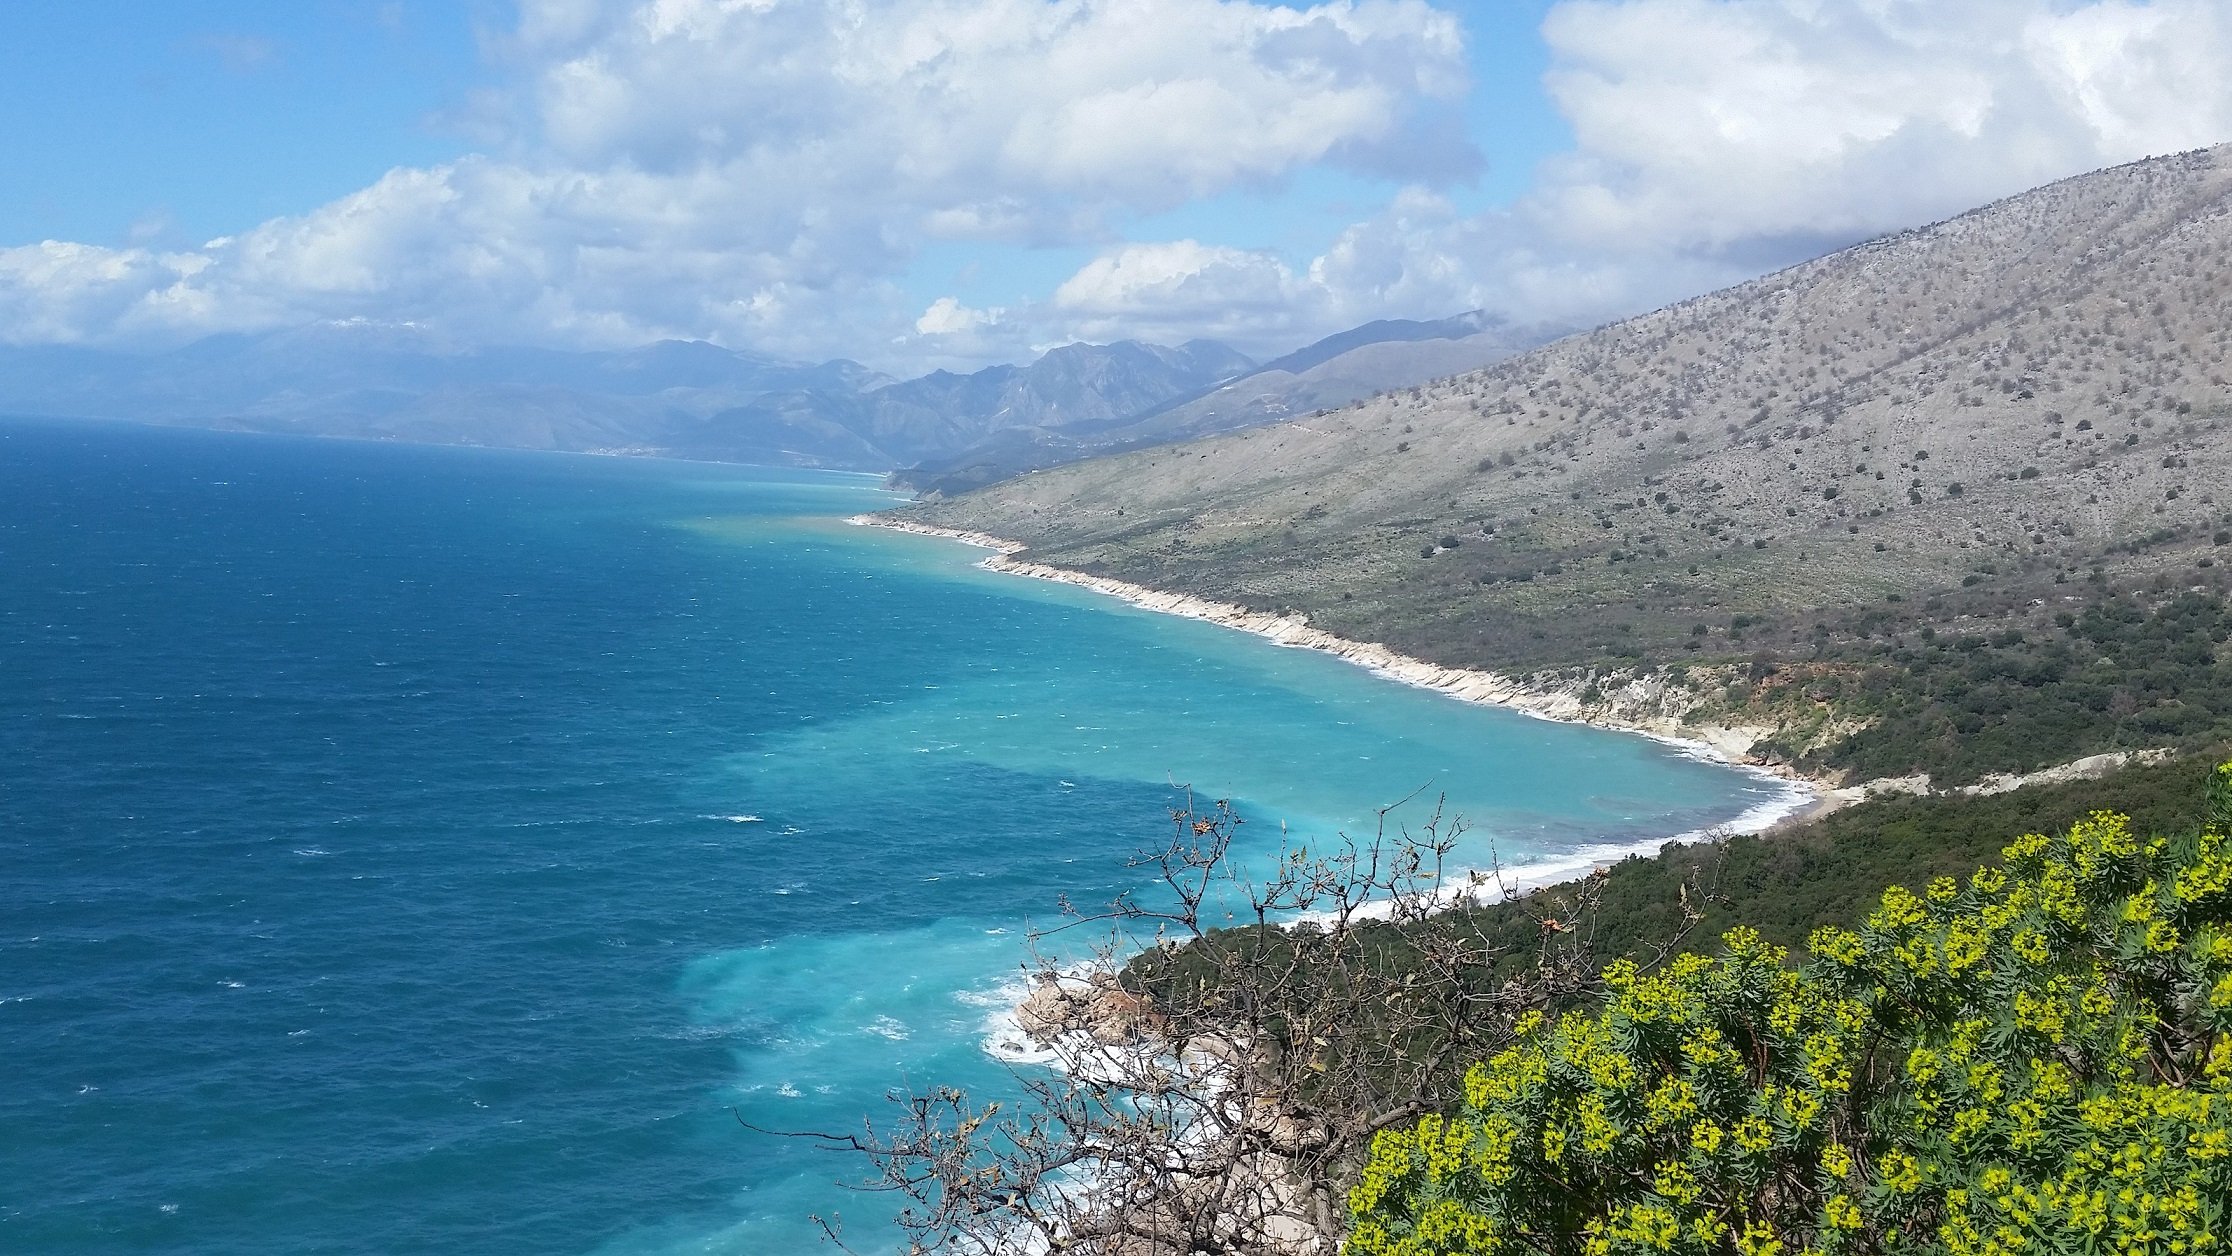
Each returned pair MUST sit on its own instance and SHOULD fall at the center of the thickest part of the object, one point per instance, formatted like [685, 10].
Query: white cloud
[1714, 140]
[1732, 125]
[1182, 289]
[1717, 139]
[758, 171]
[762, 171]
[948, 317]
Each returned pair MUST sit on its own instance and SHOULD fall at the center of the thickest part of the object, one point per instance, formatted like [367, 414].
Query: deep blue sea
[432, 850]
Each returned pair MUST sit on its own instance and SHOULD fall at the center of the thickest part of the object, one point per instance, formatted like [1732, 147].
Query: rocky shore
[1649, 706]
[1652, 705]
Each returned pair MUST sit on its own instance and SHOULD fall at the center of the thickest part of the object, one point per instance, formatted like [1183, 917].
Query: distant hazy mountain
[1373, 358]
[1345, 367]
[689, 399]
[675, 398]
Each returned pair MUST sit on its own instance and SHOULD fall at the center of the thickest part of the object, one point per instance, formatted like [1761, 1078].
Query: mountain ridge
[678, 398]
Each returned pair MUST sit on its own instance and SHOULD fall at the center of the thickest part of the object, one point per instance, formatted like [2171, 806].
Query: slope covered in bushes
[2037, 1058]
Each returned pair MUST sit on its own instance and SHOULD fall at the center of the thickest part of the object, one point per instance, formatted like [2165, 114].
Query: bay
[432, 849]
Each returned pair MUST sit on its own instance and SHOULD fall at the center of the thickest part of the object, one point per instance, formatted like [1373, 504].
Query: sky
[948, 183]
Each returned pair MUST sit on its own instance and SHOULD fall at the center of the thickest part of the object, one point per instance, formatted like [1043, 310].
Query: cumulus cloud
[1735, 125]
[1718, 139]
[1714, 140]
[1182, 289]
[757, 171]
[948, 317]
[761, 172]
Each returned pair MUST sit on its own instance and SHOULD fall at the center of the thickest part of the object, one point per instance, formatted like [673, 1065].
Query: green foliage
[2038, 1059]
[1783, 885]
[1787, 883]
[2118, 675]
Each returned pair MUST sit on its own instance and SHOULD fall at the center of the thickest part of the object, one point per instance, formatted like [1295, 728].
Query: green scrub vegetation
[2036, 1058]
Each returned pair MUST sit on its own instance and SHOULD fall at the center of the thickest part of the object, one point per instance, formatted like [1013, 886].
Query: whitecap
[886, 1027]
[787, 1091]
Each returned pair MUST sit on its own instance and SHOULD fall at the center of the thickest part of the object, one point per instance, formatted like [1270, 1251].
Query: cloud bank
[762, 172]
[1719, 139]
[757, 171]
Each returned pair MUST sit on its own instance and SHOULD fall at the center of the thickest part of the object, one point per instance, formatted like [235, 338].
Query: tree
[1230, 1052]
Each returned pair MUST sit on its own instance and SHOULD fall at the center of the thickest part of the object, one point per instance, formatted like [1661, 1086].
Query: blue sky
[219, 116]
[947, 182]
[201, 119]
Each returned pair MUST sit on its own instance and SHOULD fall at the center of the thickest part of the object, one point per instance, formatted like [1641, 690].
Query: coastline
[1075, 1022]
[1638, 708]
[1797, 795]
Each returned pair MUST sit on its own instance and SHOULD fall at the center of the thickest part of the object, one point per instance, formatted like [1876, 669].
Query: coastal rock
[1094, 1006]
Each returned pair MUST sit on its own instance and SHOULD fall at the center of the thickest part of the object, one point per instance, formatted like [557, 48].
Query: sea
[411, 849]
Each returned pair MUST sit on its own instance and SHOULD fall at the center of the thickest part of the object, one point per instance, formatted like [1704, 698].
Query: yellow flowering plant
[2038, 1060]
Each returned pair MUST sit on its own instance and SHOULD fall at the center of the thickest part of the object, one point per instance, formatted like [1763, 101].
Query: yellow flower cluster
[2035, 1060]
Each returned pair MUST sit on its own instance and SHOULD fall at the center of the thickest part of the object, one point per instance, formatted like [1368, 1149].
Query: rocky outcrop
[1095, 1006]
[2091, 767]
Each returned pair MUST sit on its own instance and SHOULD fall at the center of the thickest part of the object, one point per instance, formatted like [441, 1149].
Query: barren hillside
[1981, 408]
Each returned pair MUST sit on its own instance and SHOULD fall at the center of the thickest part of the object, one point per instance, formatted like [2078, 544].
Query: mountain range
[690, 399]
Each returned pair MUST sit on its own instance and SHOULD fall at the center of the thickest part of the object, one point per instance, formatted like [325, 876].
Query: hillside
[1342, 368]
[1334, 371]
[1986, 420]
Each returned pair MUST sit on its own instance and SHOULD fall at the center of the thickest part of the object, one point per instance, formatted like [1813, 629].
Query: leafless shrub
[1230, 1050]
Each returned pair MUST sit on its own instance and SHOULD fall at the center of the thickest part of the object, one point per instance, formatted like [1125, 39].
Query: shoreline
[1066, 1020]
[1802, 799]
[1798, 797]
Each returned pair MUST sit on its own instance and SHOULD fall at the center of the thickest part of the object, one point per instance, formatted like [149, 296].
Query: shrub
[2038, 1060]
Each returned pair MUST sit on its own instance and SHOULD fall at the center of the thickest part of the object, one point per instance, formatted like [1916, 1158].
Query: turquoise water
[434, 850]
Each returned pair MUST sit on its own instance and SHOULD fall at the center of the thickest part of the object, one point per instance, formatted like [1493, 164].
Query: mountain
[1351, 365]
[1974, 418]
[384, 381]
[690, 399]
[677, 398]
[1386, 331]
[1071, 387]
[1392, 353]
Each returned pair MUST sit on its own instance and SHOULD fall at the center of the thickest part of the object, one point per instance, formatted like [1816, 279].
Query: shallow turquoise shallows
[413, 850]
